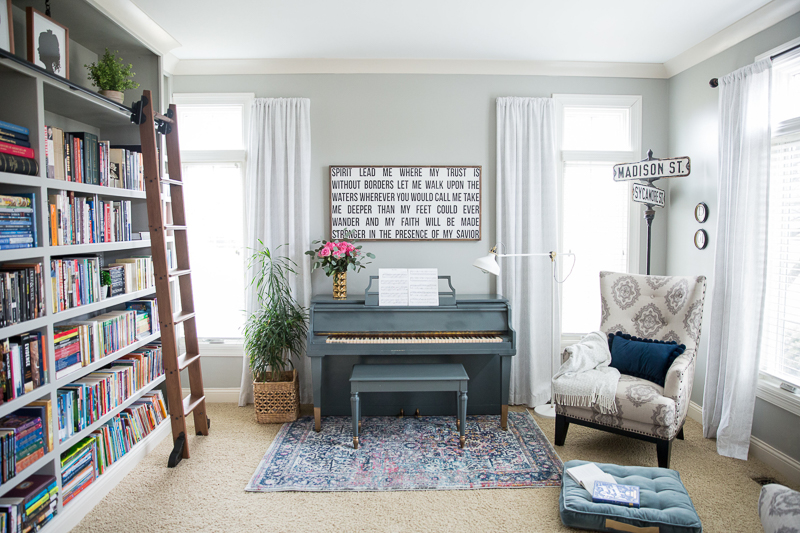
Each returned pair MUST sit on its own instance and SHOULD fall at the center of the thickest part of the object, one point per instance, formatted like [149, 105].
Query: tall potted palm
[272, 335]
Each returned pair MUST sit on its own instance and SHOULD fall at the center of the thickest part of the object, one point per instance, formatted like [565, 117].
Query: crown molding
[216, 67]
[128, 15]
[759, 20]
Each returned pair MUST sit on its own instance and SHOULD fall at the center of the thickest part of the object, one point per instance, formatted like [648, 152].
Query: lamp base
[547, 410]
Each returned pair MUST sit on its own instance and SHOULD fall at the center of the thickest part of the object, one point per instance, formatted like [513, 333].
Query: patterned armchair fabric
[666, 308]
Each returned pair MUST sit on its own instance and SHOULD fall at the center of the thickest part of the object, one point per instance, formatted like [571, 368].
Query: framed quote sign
[406, 203]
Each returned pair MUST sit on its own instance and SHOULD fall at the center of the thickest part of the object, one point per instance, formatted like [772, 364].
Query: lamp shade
[488, 264]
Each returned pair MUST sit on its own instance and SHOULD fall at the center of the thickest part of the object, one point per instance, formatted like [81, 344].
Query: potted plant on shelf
[272, 334]
[112, 76]
[336, 258]
[105, 284]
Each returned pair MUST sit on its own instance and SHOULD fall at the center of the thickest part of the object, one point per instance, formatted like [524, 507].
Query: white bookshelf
[33, 100]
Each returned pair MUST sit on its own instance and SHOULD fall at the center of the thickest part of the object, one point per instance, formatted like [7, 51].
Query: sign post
[646, 172]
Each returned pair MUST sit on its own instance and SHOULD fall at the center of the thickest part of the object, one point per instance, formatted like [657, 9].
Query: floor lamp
[488, 264]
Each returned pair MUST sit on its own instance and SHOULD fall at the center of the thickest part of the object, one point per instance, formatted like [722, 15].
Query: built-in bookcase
[35, 100]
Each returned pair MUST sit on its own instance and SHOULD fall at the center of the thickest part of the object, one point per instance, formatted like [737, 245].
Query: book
[14, 149]
[7, 126]
[13, 140]
[627, 495]
[586, 475]
[18, 165]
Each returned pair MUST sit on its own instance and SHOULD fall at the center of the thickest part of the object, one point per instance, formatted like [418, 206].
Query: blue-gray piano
[475, 330]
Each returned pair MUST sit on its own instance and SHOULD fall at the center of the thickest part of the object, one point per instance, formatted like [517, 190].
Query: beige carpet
[206, 492]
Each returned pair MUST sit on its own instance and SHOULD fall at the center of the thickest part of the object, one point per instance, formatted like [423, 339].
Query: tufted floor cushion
[665, 506]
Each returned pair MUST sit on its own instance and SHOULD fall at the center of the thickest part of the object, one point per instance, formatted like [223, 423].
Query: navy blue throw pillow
[643, 358]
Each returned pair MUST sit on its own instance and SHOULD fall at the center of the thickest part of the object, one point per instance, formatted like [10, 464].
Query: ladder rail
[179, 407]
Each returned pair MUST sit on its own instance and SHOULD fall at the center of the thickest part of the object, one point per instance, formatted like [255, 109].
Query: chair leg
[663, 452]
[679, 436]
[562, 425]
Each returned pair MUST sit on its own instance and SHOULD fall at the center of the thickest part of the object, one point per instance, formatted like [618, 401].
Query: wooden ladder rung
[183, 316]
[174, 227]
[187, 359]
[191, 402]
[168, 181]
[159, 116]
[177, 272]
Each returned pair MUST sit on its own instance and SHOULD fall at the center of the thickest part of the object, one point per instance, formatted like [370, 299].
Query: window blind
[780, 347]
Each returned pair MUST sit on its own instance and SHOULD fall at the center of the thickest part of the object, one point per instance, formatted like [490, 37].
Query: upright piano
[474, 331]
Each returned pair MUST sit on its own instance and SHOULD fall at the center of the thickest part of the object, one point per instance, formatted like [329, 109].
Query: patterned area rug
[408, 454]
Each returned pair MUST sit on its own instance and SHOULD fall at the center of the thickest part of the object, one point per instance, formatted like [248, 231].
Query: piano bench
[409, 378]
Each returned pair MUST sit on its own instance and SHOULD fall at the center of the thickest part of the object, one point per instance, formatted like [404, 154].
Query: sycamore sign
[653, 169]
[645, 194]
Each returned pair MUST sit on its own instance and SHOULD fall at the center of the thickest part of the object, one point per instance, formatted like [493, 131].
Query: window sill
[769, 390]
[208, 349]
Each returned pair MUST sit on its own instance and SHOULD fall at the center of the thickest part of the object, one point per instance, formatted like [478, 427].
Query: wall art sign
[48, 43]
[406, 203]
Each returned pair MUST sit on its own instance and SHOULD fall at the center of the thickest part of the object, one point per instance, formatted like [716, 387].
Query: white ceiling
[639, 31]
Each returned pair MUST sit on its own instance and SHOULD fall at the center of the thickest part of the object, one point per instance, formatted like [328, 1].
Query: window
[599, 222]
[780, 339]
[213, 133]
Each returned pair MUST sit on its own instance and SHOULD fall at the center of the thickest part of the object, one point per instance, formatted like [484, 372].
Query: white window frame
[212, 346]
[768, 388]
[634, 104]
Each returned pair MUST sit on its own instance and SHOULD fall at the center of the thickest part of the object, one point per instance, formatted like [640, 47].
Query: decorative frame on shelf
[48, 43]
[6, 26]
[701, 239]
[701, 212]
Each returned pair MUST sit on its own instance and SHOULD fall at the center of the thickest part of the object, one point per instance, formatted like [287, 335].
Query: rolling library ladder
[151, 122]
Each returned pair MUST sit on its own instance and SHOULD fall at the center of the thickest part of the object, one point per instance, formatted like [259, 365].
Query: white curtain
[527, 222]
[740, 261]
[278, 184]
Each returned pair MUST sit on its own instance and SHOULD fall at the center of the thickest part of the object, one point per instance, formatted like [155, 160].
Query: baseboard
[762, 451]
[224, 395]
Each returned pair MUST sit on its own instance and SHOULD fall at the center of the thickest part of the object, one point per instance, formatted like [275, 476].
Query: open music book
[408, 286]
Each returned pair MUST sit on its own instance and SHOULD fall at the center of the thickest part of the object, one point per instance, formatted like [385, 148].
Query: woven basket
[277, 401]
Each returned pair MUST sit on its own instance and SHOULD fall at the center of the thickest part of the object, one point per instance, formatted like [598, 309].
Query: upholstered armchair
[665, 308]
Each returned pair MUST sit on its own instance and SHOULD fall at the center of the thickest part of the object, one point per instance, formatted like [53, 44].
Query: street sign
[645, 194]
[653, 169]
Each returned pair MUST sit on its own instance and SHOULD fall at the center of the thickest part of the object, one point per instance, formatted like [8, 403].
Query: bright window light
[597, 128]
[211, 127]
[595, 229]
[216, 246]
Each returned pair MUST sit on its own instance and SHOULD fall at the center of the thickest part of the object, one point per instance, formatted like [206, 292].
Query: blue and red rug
[408, 454]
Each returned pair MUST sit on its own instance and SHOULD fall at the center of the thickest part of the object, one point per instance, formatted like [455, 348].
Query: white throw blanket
[585, 379]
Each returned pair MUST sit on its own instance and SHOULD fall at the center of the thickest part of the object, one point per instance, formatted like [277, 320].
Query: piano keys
[475, 332]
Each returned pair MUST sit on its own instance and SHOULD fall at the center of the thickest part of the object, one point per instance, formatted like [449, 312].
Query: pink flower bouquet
[338, 256]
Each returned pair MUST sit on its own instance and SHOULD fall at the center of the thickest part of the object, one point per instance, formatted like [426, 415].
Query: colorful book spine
[13, 149]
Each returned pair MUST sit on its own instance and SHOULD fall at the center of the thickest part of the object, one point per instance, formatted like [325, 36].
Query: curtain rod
[714, 82]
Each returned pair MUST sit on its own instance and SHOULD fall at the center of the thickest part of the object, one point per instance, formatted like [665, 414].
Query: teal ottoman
[665, 506]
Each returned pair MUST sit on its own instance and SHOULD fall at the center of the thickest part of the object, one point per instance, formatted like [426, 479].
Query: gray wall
[693, 132]
[382, 119]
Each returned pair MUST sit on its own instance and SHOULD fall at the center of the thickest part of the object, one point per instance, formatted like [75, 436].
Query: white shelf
[29, 471]
[20, 179]
[95, 189]
[96, 248]
[21, 254]
[36, 394]
[73, 312]
[24, 327]
[63, 446]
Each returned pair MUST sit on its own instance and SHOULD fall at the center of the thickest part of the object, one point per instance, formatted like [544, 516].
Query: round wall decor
[701, 239]
[701, 212]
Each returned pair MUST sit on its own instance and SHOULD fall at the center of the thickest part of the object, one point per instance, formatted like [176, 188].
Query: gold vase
[340, 285]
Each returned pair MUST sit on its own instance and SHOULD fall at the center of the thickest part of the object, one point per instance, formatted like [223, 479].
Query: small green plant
[105, 278]
[111, 74]
[277, 329]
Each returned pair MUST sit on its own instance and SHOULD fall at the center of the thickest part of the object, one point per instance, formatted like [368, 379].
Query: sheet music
[393, 286]
[423, 286]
